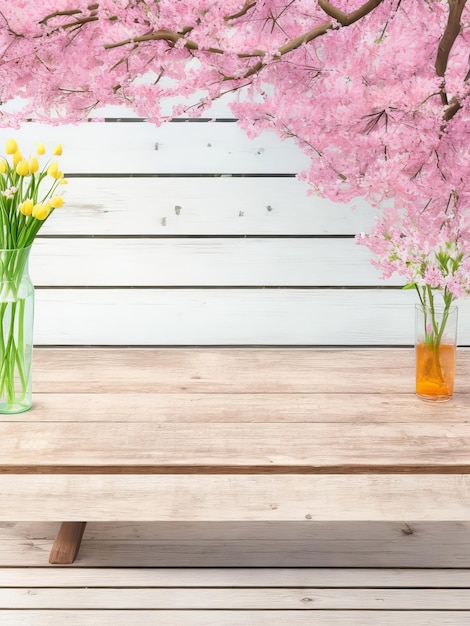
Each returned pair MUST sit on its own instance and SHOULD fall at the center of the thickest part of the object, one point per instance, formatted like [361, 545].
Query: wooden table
[233, 435]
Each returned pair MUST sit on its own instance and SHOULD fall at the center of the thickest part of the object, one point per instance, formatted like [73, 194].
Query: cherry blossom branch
[451, 33]
[243, 11]
[173, 37]
[90, 7]
[170, 36]
[60, 14]
[346, 19]
[454, 106]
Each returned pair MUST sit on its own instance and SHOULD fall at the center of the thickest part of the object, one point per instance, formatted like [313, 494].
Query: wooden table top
[240, 410]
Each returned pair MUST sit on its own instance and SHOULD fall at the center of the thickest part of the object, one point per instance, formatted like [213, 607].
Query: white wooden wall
[192, 234]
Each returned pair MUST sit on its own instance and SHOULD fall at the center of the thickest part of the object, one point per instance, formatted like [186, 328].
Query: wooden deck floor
[249, 574]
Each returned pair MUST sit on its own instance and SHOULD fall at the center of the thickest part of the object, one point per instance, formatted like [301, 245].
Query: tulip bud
[41, 148]
[56, 202]
[26, 207]
[64, 182]
[41, 211]
[33, 165]
[22, 169]
[53, 169]
[17, 158]
[11, 146]
[3, 166]
[57, 150]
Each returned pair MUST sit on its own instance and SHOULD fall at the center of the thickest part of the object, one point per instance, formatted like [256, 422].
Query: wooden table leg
[67, 543]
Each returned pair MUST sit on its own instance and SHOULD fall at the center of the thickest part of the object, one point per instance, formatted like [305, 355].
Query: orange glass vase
[435, 349]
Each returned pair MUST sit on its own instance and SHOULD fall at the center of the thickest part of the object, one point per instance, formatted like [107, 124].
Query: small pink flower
[433, 277]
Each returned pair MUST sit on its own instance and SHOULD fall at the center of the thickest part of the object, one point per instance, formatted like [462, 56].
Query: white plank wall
[193, 234]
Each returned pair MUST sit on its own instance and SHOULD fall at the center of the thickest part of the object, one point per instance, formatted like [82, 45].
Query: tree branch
[79, 22]
[59, 14]
[243, 11]
[162, 34]
[451, 33]
[346, 19]
[172, 37]
[306, 37]
[452, 109]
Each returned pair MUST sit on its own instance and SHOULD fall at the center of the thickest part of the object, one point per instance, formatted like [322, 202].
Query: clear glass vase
[435, 348]
[16, 331]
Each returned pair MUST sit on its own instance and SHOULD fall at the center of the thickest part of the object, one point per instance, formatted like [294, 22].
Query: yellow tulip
[17, 158]
[56, 202]
[57, 150]
[53, 170]
[3, 166]
[26, 207]
[41, 211]
[11, 146]
[23, 168]
[33, 165]
[64, 182]
[41, 148]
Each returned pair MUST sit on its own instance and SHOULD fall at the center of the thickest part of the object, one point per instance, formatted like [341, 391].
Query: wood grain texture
[177, 544]
[203, 262]
[241, 316]
[339, 372]
[221, 148]
[208, 206]
[208, 408]
[268, 498]
[233, 578]
[236, 618]
[139, 438]
[305, 599]
[252, 470]
[231, 448]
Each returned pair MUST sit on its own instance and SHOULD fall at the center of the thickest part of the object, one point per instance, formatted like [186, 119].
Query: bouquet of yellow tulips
[26, 201]
[28, 195]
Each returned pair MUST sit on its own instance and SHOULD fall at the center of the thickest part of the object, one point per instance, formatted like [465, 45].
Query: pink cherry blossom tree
[375, 91]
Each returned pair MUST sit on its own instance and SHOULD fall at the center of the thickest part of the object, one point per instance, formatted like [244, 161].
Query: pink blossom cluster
[375, 92]
[426, 247]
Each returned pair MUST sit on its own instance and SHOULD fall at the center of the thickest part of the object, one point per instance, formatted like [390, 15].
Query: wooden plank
[235, 497]
[129, 147]
[202, 206]
[251, 545]
[206, 262]
[236, 618]
[248, 553]
[351, 536]
[232, 578]
[249, 407]
[307, 599]
[237, 370]
[231, 448]
[229, 317]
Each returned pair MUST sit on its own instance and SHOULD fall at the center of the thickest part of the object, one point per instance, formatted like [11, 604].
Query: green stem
[14, 344]
[434, 337]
